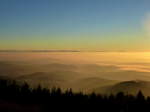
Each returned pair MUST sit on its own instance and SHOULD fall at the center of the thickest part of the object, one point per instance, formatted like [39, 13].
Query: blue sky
[72, 24]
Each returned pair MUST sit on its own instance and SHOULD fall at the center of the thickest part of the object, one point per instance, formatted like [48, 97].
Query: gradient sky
[75, 24]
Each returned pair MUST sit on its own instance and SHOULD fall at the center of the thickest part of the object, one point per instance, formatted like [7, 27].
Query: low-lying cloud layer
[80, 71]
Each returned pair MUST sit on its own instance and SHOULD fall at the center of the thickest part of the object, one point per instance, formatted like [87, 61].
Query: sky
[91, 25]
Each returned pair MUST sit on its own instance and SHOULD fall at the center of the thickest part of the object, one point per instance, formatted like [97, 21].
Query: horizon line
[62, 50]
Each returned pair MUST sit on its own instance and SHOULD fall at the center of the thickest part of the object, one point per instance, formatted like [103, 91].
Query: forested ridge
[16, 97]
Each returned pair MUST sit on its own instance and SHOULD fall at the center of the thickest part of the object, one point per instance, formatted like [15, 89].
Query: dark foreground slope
[21, 98]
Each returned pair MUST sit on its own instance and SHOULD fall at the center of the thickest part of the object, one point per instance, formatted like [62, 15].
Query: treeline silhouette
[16, 97]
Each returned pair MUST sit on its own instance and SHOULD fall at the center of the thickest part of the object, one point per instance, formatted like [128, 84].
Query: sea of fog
[82, 71]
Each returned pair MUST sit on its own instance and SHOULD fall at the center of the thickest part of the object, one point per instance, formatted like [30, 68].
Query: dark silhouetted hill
[128, 87]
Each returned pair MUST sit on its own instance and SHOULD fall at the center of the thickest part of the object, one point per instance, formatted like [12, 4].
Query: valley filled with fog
[101, 72]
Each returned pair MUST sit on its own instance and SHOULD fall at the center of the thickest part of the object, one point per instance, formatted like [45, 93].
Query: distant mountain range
[39, 51]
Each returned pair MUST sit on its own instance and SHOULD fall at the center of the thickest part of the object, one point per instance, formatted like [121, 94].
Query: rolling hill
[128, 87]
